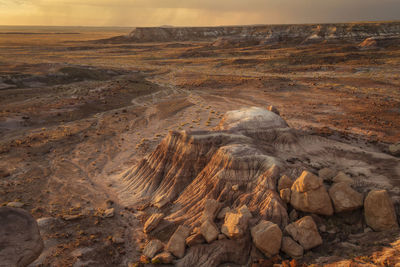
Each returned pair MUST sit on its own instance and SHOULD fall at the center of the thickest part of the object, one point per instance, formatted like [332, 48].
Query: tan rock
[15, 204]
[211, 209]
[267, 237]
[344, 198]
[327, 174]
[152, 248]
[309, 195]
[380, 214]
[109, 213]
[284, 182]
[223, 212]
[177, 243]
[394, 149]
[152, 222]
[209, 231]
[305, 232]
[235, 223]
[292, 248]
[285, 194]
[164, 258]
[195, 239]
[341, 177]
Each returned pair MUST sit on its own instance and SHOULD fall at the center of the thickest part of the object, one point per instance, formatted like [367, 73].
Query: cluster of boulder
[308, 195]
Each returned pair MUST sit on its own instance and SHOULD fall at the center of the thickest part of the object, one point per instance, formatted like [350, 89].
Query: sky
[135, 13]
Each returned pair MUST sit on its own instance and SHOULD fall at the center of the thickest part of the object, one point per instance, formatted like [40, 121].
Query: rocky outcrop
[380, 214]
[305, 232]
[310, 195]
[267, 237]
[262, 34]
[20, 240]
[344, 198]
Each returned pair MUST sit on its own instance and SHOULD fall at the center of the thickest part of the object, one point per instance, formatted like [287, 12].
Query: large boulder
[267, 237]
[209, 231]
[310, 195]
[292, 248]
[20, 240]
[305, 232]
[235, 224]
[344, 198]
[177, 243]
[380, 214]
[152, 222]
[152, 248]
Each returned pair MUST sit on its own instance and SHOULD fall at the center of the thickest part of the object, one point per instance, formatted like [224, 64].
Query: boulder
[164, 258]
[379, 211]
[327, 174]
[292, 248]
[177, 243]
[235, 224]
[209, 231]
[305, 232]
[152, 222]
[395, 149]
[310, 195]
[152, 248]
[344, 198]
[20, 240]
[284, 182]
[211, 209]
[195, 239]
[267, 237]
[285, 194]
[341, 177]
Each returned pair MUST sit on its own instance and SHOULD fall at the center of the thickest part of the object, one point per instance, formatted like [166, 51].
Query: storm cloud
[193, 12]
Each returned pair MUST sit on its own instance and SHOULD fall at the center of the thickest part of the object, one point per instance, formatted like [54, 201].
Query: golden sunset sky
[192, 12]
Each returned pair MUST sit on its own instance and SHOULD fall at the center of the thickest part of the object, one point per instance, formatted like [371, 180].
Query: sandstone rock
[235, 224]
[305, 232]
[152, 248]
[309, 195]
[152, 222]
[395, 149]
[285, 194]
[211, 209]
[327, 174]
[195, 239]
[109, 213]
[177, 243]
[209, 231]
[15, 204]
[341, 177]
[267, 237]
[379, 211]
[20, 239]
[223, 212]
[292, 248]
[164, 258]
[344, 198]
[284, 182]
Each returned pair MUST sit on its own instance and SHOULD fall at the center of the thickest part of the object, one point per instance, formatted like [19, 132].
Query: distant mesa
[263, 34]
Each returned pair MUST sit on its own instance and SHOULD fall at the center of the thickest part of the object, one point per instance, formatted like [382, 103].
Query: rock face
[305, 232]
[344, 198]
[379, 211]
[292, 248]
[20, 239]
[261, 34]
[152, 248]
[267, 237]
[152, 222]
[309, 195]
[177, 242]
